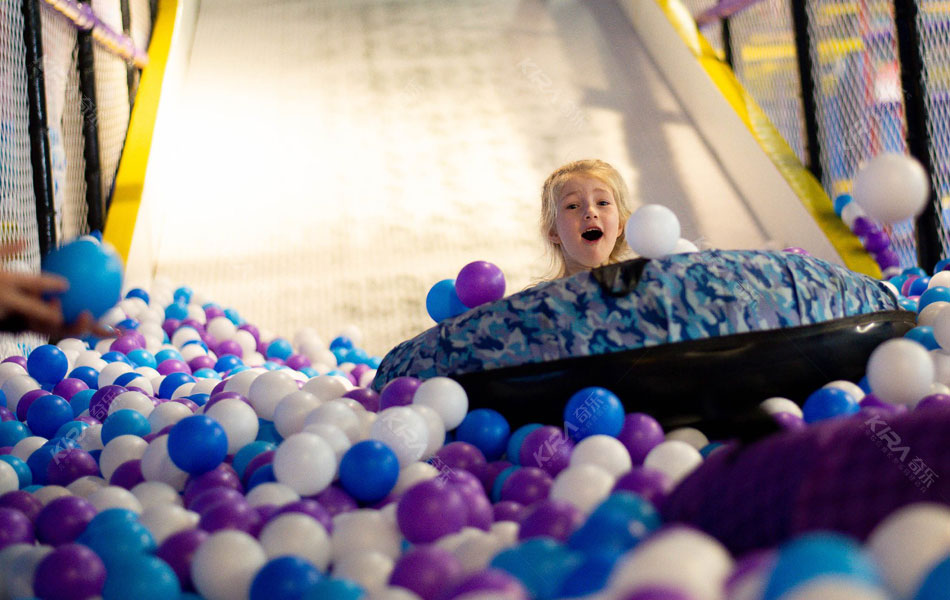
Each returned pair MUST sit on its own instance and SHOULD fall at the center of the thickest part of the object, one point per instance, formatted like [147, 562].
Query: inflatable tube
[689, 338]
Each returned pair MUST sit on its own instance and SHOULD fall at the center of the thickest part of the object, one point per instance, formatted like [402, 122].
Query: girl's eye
[571, 206]
[604, 202]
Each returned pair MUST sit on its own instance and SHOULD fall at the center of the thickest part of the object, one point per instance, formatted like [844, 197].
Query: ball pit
[161, 481]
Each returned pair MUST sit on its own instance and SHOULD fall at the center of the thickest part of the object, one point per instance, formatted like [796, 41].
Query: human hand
[23, 303]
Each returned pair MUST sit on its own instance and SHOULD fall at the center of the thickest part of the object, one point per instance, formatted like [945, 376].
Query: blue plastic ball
[72, 430]
[94, 274]
[183, 295]
[22, 470]
[923, 335]
[541, 564]
[247, 453]
[87, 375]
[176, 311]
[40, 458]
[500, 482]
[840, 202]
[47, 414]
[908, 304]
[137, 293]
[442, 301]
[227, 362]
[172, 382]
[142, 358]
[80, 401]
[331, 588]
[262, 474]
[199, 343]
[369, 470]
[267, 432]
[284, 578]
[937, 293]
[163, 355]
[126, 378]
[513, 450]
[827, 403]
[199, 399]
[592, 411]
[127, 325]
[487, 430]
[114, 356]
[233, 316]
[816, 555]
[12, 432]
[142, 577]
[124, 422]
[590, 576]
[279, 348]
[936, 583]
[197, 444]
[47, 364]
[898, 281]
[918, 286]
[919, 271]
[341, 341]
[206, 373]
[117, 536]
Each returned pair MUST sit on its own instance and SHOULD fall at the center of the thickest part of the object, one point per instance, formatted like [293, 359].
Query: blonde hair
[550, 192]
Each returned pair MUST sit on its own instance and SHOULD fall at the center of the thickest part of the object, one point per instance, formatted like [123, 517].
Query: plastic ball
[585, 486]
[296, 534]
[603, 451]
[404, 431]
[238, 420]
[429, 510]
[428, 571]
[900, 371]
[369, 470]
[284, 578]
[125, 422]
[47, 414]
[674, 458]
[908, 543]
[547, 448]
[224, 566]
[815, 555]
[516, 440]
[15, 528]
[94, 275]
[398, 392]
[479, 282]
[23, 473]
[446, 397]
[140, 576]
[487, 430]
[366, 530]
[684, 246]
[652, 231]
[330, 588]
[442, 301]
[63, 520]
[70, 572]
[554, 518]
[306, 463]
[892, 187]
[47, 364]
[542, 565]
[591, 411]
[840, 202]
[827, 403]
[197, 444]
[524, 485]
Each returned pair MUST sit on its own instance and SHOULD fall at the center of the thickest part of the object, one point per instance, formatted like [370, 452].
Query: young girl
[584, 208]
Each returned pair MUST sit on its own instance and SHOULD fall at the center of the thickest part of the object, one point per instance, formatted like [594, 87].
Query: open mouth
[592, 235]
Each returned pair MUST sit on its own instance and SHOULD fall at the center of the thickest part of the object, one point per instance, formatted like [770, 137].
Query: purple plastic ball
[398, 392]
[548, 448]
[101, 401]
[490, 582]
[796, 250]
[508, 510]
[457, 456]
[427, 571]
[640, 434]
[489, 472]
[170, 326]
[20, 360]
[264, 458]
[15, 528]
[788, 421]
[231, 515]
[887, 258]
[876, 241]
[229, 347]
[311, 508]
[172, 365]
[70, 572]
[366, 397]
[478, 283]
[212, 311]
[335, 500]
[550, 518]
[27, 400]
[25, 502]
[202, 361]
[63, 519]
[127, 342]
[862, 226]
[297, 361]
[873, 402]
[178, 549]
[68, 387]
[223, 475]
[128, 474]
[657, 593]
[6, 415]
[527, 485]
[933, 400]
[650, 484]
[69, 465]
[429, 510]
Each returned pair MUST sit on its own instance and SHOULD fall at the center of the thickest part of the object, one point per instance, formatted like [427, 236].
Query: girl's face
[587, 224]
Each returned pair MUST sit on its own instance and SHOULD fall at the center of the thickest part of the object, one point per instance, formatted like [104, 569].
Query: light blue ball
[94, 274]
[541, 564]
[247, 453]
[442, 301]
[142, 358]
[923, 335]
[197, 444]
[937, 293]
[816, 555]
[23, 473]
[125, 422]
[12, 432]
[279, 348]
[142, 577]
[517, 439]
[80, 401]
[331, 588]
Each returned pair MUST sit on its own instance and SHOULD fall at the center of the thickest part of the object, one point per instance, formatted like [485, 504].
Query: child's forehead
[579, 181]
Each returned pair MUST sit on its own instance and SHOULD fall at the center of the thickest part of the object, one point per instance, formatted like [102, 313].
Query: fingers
[36, 284]
[33, 308]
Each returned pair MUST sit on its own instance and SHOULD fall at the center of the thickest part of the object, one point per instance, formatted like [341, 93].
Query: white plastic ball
[336, 413]
[273, 493]
[777, 404]
[48, 493]
[306, 463]
[928, 316]
[367, 378]
[27, 446]
[365, 530]
[506, 532]
[675, 458]
[900, 371]
[134, 307]
[445, 396]
[90, 358]
[307, 334]
[585, 486]
[941, 279]
[196, 313]
[652, 231]
[939, 388]
[850, 388]
[102, 346]
[132, 400]
[367, 419]
[10, 369]
[850, 214]
[941, 325]
[18, 564]
[684, 246]
[908, 543]
[413, 474]
[354, 333]
[891, 187]
[205, 385]
[404, 431]
[241, 382]
[246, 340]
[192, 351]
[147, 372]
[369, 570]
[185, 334]
[157, 465]
[109, 373]
[332, 435]
[84, 486]
[835, 588]
[297, 534]
[119, 450]
[225, 564]
[167, 413]
[602, 451]
[692, 436]
[113, 496]
[476, 552]
[14, 388]
[238, 420]
[679, 557]
[268, 389]
[9, 480]
[91, 438]
[435, 427]
[156, 493]
[327, 387]
[292, 411]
